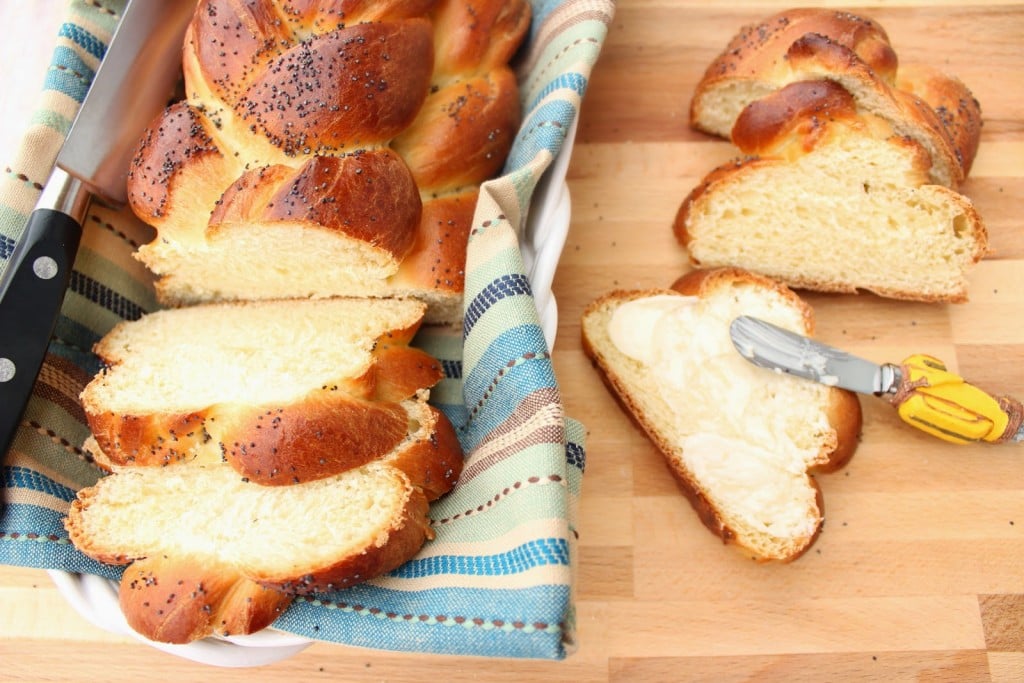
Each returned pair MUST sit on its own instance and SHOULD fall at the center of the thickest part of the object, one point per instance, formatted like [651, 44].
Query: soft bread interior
[853, 214]
[190, 358]
[744, 437]
[210, 513]
[235, 260]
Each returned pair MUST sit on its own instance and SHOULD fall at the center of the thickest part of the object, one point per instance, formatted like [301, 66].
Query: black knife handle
[32, 292]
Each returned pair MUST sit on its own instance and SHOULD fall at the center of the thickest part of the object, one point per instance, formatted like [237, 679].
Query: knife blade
[134, 82]
[925, 393]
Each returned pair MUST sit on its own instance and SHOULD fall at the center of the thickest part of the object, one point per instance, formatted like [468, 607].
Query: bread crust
[184, 599]
[792, 115]
[759, 53]
[853, 51]
[432, 464]
[952, 101]
[843, 410]
[380, 204]
[341, 425]
[437, 260]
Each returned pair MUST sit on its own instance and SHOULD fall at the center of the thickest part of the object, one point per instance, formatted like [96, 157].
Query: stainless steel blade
[770, 346]
[134, 83]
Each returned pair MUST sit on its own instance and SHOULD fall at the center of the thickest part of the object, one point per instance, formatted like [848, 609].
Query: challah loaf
[283, 391]
[938, 112]
[210, 552]
[833, 199]
[328, 149]
[740, 440]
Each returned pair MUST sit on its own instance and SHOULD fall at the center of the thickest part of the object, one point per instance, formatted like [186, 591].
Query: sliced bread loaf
[834, 199]
[213, 553]
[741, 440]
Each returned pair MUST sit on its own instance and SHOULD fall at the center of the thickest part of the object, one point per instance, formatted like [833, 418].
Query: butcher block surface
[919, 572]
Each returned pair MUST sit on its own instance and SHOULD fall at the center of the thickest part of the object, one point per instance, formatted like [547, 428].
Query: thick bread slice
[937, 111]
[740, 440]
[285, 391]
[834, 200]
[218, 554]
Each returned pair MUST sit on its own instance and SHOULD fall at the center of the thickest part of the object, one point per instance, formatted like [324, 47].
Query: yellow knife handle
[941, 403]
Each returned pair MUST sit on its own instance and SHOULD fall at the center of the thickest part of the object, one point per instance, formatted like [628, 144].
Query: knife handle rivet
[45, 268]
[7, 369]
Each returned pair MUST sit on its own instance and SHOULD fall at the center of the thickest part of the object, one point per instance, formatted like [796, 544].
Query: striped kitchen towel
[498, 579]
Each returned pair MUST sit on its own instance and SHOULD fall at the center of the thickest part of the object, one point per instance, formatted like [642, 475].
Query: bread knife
[925, 393]
[133, 84]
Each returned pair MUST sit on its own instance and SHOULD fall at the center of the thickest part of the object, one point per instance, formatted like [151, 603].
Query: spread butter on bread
[742, 441]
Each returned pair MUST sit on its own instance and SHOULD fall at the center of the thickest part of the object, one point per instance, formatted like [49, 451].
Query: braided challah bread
[330, 148]
[935, 110]
[850, 163]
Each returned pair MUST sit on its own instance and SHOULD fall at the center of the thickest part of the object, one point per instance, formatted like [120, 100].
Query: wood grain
[919, 573]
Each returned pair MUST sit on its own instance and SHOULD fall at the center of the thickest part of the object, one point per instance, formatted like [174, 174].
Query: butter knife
[925, 393]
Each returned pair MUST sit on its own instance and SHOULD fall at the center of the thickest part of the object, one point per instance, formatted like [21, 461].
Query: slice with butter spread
[742, 442]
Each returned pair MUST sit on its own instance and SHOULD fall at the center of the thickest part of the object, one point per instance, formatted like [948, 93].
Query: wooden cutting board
[919, 573]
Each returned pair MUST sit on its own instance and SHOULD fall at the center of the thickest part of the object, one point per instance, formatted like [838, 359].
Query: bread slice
[935, 110]
[213, 553]
[742, 441]
[284, 391]
[834, 199]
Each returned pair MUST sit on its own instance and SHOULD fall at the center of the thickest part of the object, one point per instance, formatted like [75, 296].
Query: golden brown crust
[798, 114]
[433, 464]
[324, 434]
[181, 600]
[319, 96]
[336, 427]
[437, 260]
[853, 51]
[475, 35]
[846, 417]
[464, 131]
[760, 52]
[368, 196]
[955, 105]
[180, 138]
